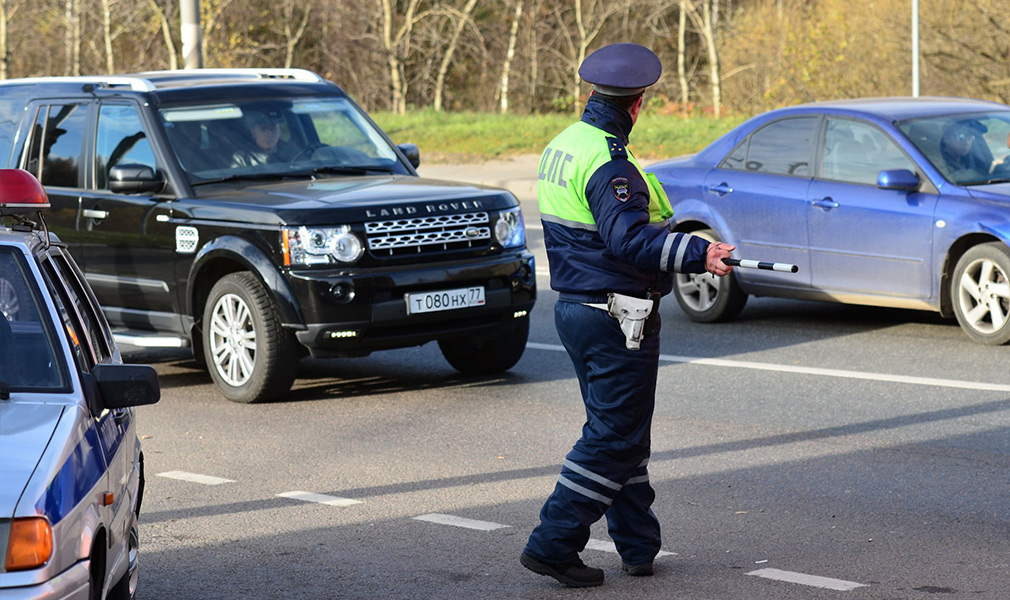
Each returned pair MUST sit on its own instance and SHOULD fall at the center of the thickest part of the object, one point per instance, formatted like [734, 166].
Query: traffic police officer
[612, 256]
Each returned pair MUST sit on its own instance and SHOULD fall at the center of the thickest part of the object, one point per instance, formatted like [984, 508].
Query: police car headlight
[509, 229]
[29, 545]
[321, 246]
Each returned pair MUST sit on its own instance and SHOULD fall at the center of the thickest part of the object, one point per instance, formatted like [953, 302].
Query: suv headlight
[321, 246]
[509, 229]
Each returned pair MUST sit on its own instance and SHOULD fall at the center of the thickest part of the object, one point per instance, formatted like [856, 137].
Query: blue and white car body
[70, 457]
[863, 197]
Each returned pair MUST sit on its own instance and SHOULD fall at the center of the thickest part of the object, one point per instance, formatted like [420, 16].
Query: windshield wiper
[5, 391]
[350, 170]
[993, 180]
[252, 177]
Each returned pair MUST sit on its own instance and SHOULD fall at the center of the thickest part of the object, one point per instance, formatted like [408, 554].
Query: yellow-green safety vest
[571, 159]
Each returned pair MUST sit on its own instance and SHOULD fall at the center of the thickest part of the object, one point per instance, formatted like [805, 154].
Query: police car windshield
[28, 357]
[257, 139]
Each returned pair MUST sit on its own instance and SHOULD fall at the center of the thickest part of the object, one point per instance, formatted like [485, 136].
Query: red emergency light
[21, 193]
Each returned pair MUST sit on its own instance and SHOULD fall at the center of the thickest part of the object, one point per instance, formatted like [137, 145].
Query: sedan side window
[781, 148]
[856, 152]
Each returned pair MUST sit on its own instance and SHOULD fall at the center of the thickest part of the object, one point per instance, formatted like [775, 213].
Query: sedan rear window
[780, 148]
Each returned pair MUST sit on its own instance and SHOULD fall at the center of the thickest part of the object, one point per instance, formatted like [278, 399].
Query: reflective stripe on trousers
[606, 471]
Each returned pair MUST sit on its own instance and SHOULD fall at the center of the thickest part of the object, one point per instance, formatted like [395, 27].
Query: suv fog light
[334, 335]
[342, 292]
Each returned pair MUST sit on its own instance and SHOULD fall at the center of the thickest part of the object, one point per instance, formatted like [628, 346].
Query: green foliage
[445, 137]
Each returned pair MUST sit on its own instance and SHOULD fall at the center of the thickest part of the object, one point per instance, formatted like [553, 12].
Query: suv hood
[25, 431]
[344, 199]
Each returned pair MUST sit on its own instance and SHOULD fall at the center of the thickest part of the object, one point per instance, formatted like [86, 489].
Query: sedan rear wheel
[980, 291]
[706, 298]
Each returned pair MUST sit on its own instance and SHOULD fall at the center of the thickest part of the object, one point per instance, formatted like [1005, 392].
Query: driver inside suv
[264, 144]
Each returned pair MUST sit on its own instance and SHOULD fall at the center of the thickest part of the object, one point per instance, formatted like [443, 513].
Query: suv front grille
[397, 237]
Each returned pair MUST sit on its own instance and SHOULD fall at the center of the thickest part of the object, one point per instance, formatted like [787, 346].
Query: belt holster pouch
[631, 313]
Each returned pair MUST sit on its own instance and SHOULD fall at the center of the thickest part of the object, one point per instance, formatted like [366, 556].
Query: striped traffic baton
[760, 264]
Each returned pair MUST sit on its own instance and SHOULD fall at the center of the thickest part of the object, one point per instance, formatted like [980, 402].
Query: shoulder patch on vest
[617, 149]
[621, 188]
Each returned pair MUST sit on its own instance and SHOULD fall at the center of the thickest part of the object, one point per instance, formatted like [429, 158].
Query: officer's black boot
[573, 574]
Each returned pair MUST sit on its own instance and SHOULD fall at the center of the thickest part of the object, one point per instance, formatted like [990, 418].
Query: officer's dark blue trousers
[605, 472]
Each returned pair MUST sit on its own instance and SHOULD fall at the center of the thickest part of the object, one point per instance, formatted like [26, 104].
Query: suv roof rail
[264, 73]
[138, 84]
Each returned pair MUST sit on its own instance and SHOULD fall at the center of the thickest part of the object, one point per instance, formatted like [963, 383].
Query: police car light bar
[21, 193]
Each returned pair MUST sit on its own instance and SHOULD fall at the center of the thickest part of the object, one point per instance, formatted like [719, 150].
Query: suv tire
[250, 356]
[478, 356]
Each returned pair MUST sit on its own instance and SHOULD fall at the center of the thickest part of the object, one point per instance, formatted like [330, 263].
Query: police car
[70, 460]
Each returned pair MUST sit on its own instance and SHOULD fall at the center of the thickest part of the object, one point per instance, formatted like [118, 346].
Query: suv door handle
[825, 203]
[722, 189]
[94, 213]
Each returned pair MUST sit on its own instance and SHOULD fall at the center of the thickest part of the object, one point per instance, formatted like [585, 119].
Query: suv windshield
[276, 138]
[27, 350]
[968, 149]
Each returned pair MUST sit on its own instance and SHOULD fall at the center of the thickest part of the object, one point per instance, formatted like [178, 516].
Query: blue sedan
[898, 202]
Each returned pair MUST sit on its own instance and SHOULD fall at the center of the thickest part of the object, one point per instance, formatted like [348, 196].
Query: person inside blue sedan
[964, 152]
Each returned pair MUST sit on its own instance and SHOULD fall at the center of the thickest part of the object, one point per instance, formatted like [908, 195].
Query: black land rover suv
[256, 215]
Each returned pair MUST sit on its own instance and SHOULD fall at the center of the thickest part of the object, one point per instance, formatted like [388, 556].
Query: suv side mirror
[133, 179]
[412, 153]
[898, 179]
[122, 386]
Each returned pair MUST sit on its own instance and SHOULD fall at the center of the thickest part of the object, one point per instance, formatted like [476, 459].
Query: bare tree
[396, 45]
[166, 33]
[509, 57]
[7, 11]
[460, 20]
[293, 36]
[706, 23]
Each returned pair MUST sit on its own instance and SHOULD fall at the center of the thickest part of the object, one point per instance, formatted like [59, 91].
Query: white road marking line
[460, 522]
[320, 498]
[195, 478]
[866, 376]
[608, 546]
[811, 580]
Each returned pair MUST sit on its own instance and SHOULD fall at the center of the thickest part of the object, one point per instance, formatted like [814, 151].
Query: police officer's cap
[622, 69]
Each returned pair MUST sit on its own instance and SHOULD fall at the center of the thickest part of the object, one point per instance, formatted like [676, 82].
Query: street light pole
[192, 51]
[915, 48]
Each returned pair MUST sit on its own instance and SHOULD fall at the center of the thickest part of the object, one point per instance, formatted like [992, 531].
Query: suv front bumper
[355, 312]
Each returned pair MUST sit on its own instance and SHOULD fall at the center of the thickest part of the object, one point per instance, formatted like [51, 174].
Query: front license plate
[444, 300]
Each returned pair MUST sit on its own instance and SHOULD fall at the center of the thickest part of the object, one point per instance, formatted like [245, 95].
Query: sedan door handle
[93, 213]
[722, 189]
[825, 203]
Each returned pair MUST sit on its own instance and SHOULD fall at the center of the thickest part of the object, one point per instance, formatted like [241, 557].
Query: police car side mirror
[412, 153]
[122, 386]
[135, 179]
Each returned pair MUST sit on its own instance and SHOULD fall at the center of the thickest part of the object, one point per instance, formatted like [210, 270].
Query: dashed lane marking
[811, 580]
[195, 478]
[608, 546]
[460, 522]
[320, 498]
[866, 376]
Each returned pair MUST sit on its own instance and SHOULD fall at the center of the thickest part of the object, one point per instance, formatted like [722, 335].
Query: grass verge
[474, 137]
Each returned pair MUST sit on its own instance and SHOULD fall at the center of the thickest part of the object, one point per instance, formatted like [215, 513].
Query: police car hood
[344, 199]
[25, 431]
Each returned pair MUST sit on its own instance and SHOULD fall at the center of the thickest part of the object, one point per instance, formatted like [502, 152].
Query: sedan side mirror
[898, 179]
[122, 386]
[412, 153]
[135, 179]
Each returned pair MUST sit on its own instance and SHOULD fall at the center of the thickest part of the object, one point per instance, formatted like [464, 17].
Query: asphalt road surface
[805, 450]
